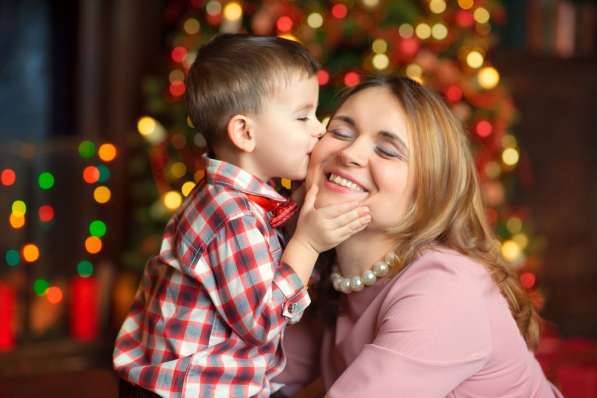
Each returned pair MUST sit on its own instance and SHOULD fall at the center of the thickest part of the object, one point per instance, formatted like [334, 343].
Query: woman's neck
[359, 252]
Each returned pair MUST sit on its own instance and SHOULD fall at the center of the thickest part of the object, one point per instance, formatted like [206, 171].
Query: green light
[86, 149]
[104, 173]
[97, 228]
[46, 180]
[12, 258]
[40, 286]
[85, 268]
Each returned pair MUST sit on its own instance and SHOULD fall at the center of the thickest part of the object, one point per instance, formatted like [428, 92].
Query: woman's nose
[354, 154]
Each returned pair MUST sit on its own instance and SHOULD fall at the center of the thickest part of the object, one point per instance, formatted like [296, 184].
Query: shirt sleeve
[433, 334]
[254, 294]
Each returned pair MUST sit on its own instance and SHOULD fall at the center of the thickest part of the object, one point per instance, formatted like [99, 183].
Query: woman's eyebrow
[346, 119]
[393, 137]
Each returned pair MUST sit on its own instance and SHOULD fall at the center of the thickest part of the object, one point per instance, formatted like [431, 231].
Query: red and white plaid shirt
[211, 308]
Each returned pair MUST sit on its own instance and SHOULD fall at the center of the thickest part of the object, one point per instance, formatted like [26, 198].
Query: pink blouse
[440, 328]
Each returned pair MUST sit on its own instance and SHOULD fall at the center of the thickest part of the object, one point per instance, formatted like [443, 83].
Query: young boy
[212, 306]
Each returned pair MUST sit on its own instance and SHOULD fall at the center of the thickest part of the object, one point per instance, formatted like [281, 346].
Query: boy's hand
[324, 228]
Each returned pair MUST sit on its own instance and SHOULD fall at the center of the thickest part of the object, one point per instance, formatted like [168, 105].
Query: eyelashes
[380, 149]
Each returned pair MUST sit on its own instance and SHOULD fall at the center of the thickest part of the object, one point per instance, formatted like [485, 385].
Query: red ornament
[527, 280]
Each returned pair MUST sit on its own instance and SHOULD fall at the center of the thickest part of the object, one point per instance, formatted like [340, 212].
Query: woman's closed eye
[341, 134]
[388, 151]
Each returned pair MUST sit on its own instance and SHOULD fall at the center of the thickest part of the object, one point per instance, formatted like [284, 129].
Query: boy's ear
[242, 133]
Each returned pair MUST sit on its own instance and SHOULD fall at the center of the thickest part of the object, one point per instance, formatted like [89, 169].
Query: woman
[427, 308]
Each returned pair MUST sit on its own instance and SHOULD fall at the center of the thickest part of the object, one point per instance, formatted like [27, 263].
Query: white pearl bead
[336, 282]
[345, 285]
[356, 284]
[369, 278]
[390, 259]
[380, 268]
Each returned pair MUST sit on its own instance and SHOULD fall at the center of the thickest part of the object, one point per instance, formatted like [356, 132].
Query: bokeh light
[97, 228]
[19, 208]
[104, 173]
[528, 280]
[172, 200]
[85, 268]
[437, 6]
[511, 251]
[379, 46]
[45, 213]
[351, 79]
[481, 15]
[54, 295]
[16, 221]
[187, 187]
[380, 61]
[12, 258]
[91, 174]
[93, 244]
[192, 26]
[423, 31]
[102, 194]
[474, 59]
[510, 156]
[323, 77]
[284, 24]
[46, 180]
[40, 286]
[30, 252]
[488, 77]
[107, 152]
[339, 11]
[233, 11]
[315, 20]
[8, 177]
[86, 149]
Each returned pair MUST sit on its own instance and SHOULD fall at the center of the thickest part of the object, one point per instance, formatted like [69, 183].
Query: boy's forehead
[298, 89]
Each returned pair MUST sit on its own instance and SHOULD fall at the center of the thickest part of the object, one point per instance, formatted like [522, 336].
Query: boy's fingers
[350, 219]
[355, 226]
[339, 210]
[310, 197]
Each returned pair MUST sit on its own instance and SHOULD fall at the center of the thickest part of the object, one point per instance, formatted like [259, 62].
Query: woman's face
[364, 157]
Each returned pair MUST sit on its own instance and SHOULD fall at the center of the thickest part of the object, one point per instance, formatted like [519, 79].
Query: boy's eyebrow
[305, 107]
[388, 134]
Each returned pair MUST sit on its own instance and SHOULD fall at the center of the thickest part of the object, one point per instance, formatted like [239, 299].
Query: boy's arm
[252, 293]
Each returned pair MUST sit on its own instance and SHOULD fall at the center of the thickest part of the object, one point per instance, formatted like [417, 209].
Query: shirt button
[292, 308]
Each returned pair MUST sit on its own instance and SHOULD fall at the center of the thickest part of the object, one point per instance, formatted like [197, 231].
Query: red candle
[7, 311]
[84, 309]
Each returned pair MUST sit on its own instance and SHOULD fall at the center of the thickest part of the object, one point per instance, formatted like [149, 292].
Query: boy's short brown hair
[233, 73]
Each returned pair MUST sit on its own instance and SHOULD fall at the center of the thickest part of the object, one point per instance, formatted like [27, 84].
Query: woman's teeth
[345, 183]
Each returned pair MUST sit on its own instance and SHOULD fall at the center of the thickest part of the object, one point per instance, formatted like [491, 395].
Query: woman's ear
[241, 132]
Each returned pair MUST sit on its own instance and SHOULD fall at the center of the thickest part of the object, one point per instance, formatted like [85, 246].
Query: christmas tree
[444, 46]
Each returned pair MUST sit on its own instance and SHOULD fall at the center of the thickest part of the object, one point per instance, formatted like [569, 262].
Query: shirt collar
[224, 173]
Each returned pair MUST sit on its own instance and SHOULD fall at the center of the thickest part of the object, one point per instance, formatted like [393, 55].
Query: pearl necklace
[367, 278]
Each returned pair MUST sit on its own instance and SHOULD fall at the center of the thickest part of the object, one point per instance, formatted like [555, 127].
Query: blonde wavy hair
[446, 207]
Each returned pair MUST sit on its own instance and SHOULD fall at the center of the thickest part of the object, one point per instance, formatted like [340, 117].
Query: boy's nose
[319, 129]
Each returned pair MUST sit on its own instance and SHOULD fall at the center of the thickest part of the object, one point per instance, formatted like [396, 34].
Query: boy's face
[287, 129]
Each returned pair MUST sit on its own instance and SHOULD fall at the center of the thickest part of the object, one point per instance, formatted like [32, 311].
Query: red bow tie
[281, 211]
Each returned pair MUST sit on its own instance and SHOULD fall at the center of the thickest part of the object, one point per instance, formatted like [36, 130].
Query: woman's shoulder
[442, 270]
